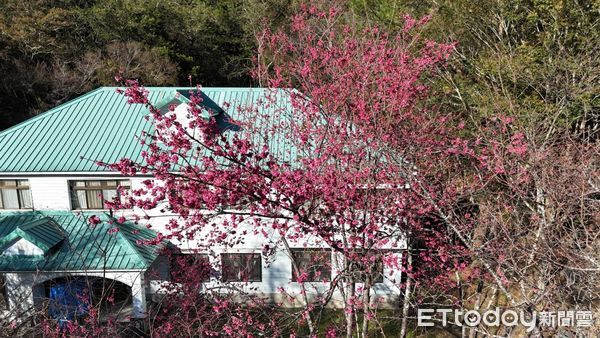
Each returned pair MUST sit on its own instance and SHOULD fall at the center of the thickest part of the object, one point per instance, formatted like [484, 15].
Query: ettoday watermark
[496, 317]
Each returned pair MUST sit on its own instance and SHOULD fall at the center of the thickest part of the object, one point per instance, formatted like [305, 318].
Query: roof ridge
[36, 222]
[128, 243]
[51, 111]
[26, 231]
[193, 88]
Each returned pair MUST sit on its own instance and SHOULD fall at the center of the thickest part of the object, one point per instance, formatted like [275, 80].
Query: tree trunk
[309, 321]
[350, 307]
[366, 304]
[407, 294]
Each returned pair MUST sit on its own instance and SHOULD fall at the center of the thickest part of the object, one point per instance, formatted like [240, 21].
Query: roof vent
[44, 234]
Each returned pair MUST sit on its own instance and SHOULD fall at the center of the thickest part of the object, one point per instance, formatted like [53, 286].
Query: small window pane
[79, 183]
[370, 264]
[25, 197]
[183, 263]
[8, 183]
[314, 265]
[241, 267]
[10, 199]
[80, 201]
[23, 183]
[94, 199]
[94, 183]
[109, 194]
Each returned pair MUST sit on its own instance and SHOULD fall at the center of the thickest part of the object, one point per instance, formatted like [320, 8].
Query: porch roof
[71, 244]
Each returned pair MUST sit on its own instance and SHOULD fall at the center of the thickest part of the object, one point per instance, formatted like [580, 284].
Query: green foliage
[53, 51]
[535, 59]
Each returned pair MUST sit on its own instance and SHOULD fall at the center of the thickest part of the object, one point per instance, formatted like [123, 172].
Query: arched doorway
[71, 298]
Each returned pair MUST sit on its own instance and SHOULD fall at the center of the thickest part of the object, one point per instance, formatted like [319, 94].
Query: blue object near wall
[68, 300]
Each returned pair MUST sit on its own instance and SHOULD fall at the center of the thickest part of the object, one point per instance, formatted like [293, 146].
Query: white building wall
[52, 193]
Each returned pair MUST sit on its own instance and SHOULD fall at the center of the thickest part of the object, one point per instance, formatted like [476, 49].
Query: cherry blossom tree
[353, 160]
[346, 152]
[537, 220]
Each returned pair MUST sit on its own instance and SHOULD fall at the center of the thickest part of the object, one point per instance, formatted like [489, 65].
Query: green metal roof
[84, 248]
[101, 126]
[43, 232]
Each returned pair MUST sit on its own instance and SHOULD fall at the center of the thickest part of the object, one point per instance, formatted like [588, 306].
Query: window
[314, 265]
[242, 267]
[93, 194]
[184, 264]
[367, 264]
[15, 194]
